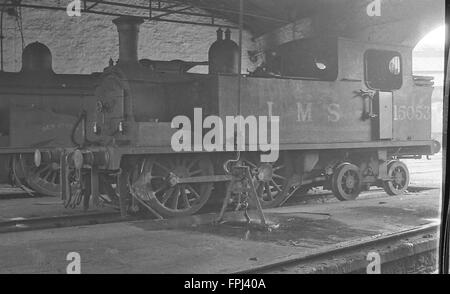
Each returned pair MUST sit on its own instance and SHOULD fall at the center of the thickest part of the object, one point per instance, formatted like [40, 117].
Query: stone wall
[85, 44]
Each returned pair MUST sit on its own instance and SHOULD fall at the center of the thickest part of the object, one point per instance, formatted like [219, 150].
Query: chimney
[128, 28]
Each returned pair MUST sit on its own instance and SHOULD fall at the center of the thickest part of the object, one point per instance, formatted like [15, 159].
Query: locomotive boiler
[348, 112]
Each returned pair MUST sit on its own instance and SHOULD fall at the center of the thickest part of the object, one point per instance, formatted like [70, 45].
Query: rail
[341, 248]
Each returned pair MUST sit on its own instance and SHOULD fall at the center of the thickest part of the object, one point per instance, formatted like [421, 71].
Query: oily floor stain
[288, 231]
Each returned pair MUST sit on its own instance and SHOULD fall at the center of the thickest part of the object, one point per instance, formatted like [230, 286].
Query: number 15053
[412, 112]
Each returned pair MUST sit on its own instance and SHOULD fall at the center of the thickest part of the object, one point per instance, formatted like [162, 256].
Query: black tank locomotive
[349, 111]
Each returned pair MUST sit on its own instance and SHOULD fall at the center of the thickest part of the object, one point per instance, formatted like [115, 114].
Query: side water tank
[37, 57]
[223, 54]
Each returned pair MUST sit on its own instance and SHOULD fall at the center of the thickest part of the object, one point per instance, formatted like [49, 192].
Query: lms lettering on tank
[308, 111]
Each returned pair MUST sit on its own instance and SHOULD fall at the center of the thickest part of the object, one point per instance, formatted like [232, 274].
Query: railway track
[289, 264]
[323, 195]
[83, 219]
[40, 223]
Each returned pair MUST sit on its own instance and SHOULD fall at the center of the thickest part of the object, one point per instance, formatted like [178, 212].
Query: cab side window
[383, 70]
[312, 59]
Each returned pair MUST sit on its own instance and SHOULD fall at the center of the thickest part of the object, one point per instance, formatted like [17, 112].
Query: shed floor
[198, 246]
[142, 247]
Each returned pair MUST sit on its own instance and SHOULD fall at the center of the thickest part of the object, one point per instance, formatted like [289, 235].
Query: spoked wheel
[155, 182]
[44, 179]
[399, 174]
[346, 182]
[274, 191]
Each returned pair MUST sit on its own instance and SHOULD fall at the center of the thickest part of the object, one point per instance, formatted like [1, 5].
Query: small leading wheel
[346, 182]
[399, 175]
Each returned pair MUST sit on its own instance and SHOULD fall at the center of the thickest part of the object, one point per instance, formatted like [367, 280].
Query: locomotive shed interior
[352, 114]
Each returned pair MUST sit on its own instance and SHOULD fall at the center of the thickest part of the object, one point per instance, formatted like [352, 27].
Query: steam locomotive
[349, 111]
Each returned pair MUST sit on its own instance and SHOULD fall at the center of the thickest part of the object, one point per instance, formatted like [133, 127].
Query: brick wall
[85, 44]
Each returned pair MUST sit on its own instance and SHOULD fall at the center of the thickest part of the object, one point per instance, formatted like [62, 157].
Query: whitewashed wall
[85, 44]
